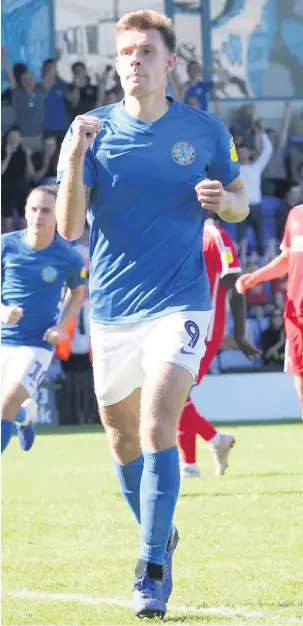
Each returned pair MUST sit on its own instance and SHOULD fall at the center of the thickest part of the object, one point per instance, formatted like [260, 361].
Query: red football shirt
[293, 243]
[220, 258]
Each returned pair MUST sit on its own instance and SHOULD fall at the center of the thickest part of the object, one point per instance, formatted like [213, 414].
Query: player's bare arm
[275, 269]
[71, 305]
[238, 309]
[231, 203]
[73, 197]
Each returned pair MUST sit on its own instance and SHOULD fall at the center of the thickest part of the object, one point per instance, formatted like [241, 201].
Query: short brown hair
[51, 190]
[148, 20]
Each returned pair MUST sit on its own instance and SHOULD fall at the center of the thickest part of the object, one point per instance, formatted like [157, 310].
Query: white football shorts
[124, 354]
[24, 364]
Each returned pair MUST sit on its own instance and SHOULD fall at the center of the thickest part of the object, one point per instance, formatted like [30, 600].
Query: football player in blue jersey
[36, 267]
[147, 169]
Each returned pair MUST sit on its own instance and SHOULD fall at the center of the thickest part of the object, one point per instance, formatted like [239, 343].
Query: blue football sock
[21, 415]
[130, 479]
[159, 492]
[7, 428]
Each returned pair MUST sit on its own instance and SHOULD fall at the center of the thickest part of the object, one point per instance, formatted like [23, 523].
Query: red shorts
[294, 346]
[212, 348]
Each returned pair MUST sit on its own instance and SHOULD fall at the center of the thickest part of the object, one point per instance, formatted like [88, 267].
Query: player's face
[40, 213]
[14, 139]
[80, 72]
[244, 155]
[50, 146]
[27, 81]
[143, 62]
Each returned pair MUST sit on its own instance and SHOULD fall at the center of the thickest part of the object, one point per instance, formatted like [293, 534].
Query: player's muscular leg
[12, 398]
[163, 398]
[121, 422]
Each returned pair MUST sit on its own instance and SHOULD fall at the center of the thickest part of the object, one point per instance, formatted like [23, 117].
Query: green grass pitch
[69, 544]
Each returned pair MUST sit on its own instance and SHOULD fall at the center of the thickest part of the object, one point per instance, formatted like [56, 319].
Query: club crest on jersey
[49, 274]
[183, 153]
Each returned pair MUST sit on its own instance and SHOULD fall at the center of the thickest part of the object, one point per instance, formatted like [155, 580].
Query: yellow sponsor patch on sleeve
[233, 151]
[228, 255]
[83, 272]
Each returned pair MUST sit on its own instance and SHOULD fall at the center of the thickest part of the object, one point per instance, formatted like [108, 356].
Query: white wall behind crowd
[253, 49]
[247, 397]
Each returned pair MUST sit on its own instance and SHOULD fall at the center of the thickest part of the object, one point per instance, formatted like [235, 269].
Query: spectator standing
[251, 172]
[13, 77]
[56, 119]
[290, 200]
[115, 93]
[274, 175]
[273, 342]
[83, 96]
[15, 172]
[28, 104]
[43, 163]
[198, 89]
[247, 127]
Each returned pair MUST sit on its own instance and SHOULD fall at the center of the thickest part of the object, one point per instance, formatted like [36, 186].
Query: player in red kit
[223, 270]
[289, 262]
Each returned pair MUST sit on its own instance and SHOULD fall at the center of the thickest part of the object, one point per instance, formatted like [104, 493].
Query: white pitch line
[83, 599]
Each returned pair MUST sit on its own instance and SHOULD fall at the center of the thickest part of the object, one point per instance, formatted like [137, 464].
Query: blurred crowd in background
[35, 117]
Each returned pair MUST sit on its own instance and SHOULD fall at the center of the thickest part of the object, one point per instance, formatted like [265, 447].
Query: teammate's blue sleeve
[225, 166]
[77, 273]
[76, 270]
[89, 171]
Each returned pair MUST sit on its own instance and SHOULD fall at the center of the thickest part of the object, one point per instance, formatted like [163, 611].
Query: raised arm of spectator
[285, 125]
[8, 70]
[266, 151]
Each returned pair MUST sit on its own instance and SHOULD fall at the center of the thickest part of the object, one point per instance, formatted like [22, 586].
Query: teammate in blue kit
[142, 167]
[36, 266]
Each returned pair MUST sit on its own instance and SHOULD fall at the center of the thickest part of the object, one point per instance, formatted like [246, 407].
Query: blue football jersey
[34, 280]
[146, 223]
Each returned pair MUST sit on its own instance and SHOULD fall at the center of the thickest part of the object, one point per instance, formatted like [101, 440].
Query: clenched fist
[85, 128]
[54, 334]
[11, 314]
[211, 195]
